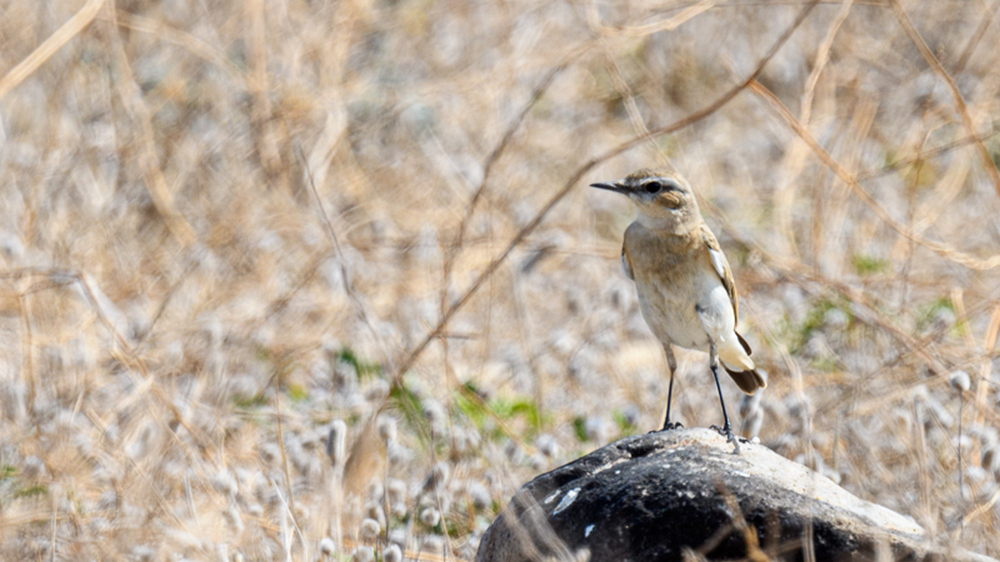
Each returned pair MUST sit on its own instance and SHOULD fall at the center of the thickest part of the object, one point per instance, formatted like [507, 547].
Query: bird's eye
[653, 187]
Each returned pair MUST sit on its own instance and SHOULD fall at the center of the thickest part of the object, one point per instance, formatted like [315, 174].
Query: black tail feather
[748, 381]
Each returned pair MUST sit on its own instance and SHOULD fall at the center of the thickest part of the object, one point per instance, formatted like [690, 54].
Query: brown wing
[721, 265]
[748, 381]
[627, 264]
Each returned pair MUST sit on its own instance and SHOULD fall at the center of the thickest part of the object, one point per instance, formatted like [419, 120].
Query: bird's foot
[670, 426]
[727, 432]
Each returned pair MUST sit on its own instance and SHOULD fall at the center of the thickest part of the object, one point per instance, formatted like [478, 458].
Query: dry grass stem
[50, 46]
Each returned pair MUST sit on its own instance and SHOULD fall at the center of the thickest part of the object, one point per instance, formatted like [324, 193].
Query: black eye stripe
[654, 186]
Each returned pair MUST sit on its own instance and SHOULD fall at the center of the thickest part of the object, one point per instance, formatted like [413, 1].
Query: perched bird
[685, 288]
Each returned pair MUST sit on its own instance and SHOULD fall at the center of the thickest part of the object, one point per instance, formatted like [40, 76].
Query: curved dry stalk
[688, 13]
[29, 367]
[125, 354]
[149, 159]
[494, 155]
[822, 58]
[718, 103]
[638, 124]
[940, 248]
[925, 155]
[974, 40]
[50, 46]
[960, 105]
[185, 40]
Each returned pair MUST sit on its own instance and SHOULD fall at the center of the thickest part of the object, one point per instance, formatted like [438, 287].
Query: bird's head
[661, 197]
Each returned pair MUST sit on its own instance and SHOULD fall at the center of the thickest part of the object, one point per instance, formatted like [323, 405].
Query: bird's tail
[748, 381]
[737, 362]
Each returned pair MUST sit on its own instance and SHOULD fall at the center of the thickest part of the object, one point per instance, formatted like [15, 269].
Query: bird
[683, 281]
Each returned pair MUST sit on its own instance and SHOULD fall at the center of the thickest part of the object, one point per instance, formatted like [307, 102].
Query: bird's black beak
[616, 187]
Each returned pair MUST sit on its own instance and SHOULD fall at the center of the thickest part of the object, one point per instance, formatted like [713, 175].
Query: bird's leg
[672, 363]
[727, 429]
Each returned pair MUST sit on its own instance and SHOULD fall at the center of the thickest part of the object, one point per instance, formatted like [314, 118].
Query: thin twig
[192, 44]
[925, 155]
[281, 441]
[974, 41]
[345, 276]
[687, 13]
[261, 114]
[961, 476]
[494, 155]
[50, 46]
[451, 254]
[960, 106]
[29, 367]
[125, 354]
[143, 338]
[149, 159]
[721, 101]
[851, 181]
[822, 58]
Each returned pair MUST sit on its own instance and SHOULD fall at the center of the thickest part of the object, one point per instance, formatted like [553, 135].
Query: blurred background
[303, 280]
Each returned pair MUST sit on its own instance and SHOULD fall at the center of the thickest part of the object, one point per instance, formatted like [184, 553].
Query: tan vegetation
[230, 230]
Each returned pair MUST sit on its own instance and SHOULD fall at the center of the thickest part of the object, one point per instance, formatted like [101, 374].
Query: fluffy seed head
[430, 516]
[960, 381]
[370, 528]
[393, 554]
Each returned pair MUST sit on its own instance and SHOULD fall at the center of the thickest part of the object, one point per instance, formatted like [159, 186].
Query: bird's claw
[670, 426]
[723, 431]
[727, 432]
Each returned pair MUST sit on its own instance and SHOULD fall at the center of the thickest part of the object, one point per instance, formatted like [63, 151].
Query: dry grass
[227, 228]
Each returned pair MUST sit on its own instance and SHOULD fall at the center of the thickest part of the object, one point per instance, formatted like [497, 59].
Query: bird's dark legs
[672, 362]
[670, 395]
[727, 429]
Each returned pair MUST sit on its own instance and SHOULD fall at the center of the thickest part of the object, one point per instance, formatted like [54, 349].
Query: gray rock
[657, 496]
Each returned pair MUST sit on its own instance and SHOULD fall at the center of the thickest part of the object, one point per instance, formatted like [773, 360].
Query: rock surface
[661, 495]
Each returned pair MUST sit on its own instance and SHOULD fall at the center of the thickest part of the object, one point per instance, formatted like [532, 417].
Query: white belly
[693, 315]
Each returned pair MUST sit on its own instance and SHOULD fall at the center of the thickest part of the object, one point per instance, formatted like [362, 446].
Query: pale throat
[674, 223]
